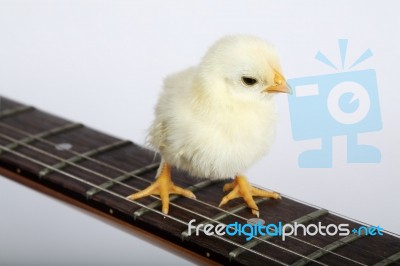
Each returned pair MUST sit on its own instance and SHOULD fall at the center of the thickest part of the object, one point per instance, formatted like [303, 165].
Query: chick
[216, 119]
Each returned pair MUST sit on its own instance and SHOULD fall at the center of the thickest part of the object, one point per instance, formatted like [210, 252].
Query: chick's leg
[163, 186]
[241, 188]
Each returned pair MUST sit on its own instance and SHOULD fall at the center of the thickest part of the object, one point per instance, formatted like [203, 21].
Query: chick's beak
[280, 85]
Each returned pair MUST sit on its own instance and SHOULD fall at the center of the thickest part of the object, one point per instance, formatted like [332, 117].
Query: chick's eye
[249, 81]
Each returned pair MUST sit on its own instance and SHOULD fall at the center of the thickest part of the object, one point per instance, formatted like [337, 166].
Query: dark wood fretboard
[99, 171]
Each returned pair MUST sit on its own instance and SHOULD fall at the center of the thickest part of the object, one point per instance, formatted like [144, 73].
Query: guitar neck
[99, 171]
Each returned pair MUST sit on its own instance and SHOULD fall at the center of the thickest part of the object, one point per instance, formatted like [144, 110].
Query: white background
[102, 63]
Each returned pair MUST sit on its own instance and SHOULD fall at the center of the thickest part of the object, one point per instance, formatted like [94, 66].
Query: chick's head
[243, 66]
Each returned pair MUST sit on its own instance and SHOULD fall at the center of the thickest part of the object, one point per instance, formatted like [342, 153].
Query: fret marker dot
[208, 254]
[63, 146]
[256, 221]
[111, 211]
[18, 170]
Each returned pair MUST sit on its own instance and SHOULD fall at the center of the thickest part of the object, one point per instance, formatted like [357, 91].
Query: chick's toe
[240, 187]
[163, 186]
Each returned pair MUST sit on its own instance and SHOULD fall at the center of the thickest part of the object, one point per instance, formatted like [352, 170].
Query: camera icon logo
[344, 103]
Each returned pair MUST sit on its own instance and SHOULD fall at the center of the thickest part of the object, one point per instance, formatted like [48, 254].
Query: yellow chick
[216, 119]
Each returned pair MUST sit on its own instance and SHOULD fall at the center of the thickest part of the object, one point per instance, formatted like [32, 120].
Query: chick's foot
[163, 186]
[241, 188]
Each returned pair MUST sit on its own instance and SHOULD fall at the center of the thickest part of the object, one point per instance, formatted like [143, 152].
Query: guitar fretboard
[100, 171]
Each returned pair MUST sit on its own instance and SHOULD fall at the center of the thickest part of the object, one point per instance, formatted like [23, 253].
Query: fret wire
[344, 217]
[73, 163]
[251, 244]
[223, 215]
[332, 246]
[14, 111]
[145, 180]
[78, 158]
[110, 179]
[331, 212]
[84, 168]
[158, 203]
[122, 178]
[49, 133]
[389, 260]
[119, 170]
[131, 202]
[141, 210]
[82, 180]
[205, 203]
[341, 216]
[90, 159]
[77, 165]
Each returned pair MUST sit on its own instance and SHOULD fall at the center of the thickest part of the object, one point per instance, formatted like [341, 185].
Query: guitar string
[174, 204]
[212, 206]
[147, 181]
[35, 137]
[89, 183]
[134, 202]
[123, 184]
[129, 174]
[393, 234]
[205, 203]
[155, 197]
